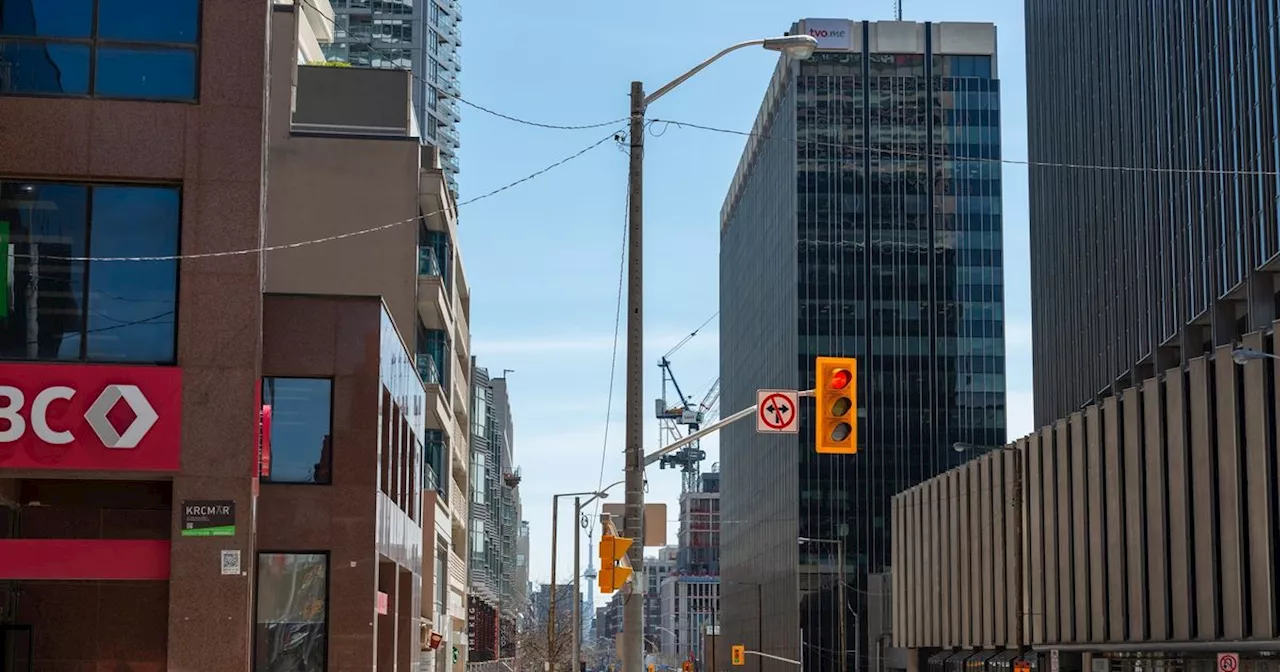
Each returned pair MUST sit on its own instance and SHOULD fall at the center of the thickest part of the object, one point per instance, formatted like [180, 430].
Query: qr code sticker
[231, 563]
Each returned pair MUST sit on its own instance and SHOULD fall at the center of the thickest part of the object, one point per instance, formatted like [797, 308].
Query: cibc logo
[13, 426]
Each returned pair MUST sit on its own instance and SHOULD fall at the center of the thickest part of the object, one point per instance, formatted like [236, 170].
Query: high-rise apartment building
[419, 36]
[1136, 270]
[864, 220]
[495, 514]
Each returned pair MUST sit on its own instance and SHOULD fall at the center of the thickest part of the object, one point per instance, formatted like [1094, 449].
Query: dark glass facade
[881, 172]
[1140, 267]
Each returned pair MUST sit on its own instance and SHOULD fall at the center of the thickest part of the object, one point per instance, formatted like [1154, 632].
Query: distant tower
[590, 576]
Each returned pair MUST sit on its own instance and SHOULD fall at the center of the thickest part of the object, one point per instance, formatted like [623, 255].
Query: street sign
[776, 411]
[1228, 662]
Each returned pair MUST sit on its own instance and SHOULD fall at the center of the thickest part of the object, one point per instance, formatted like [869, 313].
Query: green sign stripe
[222, 531]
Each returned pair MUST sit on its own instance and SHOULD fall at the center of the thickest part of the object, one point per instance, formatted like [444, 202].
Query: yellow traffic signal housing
[739, 654]
[615, 570]
[836, 413]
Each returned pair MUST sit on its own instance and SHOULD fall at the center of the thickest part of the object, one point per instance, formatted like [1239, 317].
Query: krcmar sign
[836, 34]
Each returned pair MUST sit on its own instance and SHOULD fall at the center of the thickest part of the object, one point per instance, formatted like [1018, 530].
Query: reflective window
[58, 306]
[139, 49]
[131, 305]
[291, 634]
[301, 429]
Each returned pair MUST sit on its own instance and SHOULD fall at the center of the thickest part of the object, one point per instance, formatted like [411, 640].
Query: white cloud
[571, 342]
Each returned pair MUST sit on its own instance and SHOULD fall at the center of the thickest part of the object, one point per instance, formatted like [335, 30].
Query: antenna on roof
[897, 10]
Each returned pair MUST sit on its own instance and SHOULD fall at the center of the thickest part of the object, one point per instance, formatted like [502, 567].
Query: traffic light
[836, 392]
[613, 574]
[739, 654]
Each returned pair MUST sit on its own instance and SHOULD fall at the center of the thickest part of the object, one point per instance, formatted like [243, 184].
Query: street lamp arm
[649, 99]
[771, 656]
[602, 493]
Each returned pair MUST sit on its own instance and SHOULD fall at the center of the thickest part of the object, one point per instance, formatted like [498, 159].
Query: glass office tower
[865, 221]
[421, 35]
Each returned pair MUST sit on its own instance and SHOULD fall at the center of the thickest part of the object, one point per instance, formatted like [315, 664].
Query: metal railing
[427, 369]
[428, 262]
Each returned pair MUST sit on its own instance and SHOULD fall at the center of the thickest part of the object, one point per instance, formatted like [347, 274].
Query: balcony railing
[428, 262]
[427, 370]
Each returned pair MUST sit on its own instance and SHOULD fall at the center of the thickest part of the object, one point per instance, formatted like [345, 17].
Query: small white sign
[834, 34]
[231, 563]
[1053, 660]
[776, 411]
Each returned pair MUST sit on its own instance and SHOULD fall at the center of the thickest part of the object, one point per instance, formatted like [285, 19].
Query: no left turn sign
[1228, 662]
[776, 411]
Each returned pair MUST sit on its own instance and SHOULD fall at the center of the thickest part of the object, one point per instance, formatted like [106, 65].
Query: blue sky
[543, 258]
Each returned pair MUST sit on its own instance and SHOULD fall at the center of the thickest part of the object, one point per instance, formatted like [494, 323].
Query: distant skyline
[543, 257]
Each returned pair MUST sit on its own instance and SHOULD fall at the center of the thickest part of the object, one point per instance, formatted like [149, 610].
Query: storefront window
[293, 610]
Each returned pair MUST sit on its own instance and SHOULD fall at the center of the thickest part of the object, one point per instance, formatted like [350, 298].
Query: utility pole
[577, 584]
[798, 46]
[633, 516]
[551, 602]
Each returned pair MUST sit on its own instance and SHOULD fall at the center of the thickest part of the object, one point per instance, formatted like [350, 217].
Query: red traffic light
[840, 379]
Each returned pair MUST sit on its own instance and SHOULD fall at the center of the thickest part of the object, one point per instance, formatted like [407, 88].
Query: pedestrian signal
[615, 571]
[739, 654]
[836, 393]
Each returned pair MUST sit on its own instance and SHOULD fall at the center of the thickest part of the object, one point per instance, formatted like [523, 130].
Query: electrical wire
[613, 358]
[526, 122]
[952, 157]
[693, 333]
[341, 236]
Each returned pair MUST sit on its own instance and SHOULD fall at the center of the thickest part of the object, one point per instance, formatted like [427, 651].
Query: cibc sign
[90, 418]
[834, 34]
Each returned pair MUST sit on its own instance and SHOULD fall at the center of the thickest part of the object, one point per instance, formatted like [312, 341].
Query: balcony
[434, 304]
[458, 502]
[438, 415]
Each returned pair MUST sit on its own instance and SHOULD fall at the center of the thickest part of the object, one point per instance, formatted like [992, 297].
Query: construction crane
[684, 413]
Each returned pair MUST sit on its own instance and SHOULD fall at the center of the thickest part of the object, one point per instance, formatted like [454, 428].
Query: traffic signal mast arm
[709, 429]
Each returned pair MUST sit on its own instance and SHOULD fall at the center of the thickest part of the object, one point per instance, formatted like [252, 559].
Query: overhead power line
[976, 159]
[340, 236]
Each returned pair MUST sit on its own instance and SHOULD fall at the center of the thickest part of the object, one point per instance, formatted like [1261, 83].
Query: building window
[479, 494]
[56, 306]
[477, 538]
[301, 429]
[100, 48]
[293, 610]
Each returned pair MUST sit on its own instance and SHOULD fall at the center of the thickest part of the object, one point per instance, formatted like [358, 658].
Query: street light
[844, 648]
[1243, 355]
[795, 46]
[551, 611]
[578, 503]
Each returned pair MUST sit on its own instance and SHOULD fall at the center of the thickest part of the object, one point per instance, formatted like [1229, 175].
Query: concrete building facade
[1140, 530]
